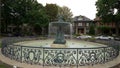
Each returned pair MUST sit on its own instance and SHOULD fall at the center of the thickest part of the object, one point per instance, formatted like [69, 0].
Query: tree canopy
[17, 13]
[66, 13]
[52, 11]
[106, 11]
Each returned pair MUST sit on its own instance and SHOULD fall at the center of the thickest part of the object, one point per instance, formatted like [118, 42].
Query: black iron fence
[58, 56]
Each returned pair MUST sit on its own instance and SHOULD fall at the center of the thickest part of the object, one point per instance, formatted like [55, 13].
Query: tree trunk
[42, 30]
[117, 28]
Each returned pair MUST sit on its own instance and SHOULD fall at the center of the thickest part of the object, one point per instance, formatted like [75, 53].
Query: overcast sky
[78, 7]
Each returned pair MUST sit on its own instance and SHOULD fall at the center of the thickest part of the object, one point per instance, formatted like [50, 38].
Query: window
[80, 18]
[87, 24]
[79, 24]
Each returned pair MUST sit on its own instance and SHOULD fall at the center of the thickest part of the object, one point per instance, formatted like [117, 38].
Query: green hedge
[0, 45]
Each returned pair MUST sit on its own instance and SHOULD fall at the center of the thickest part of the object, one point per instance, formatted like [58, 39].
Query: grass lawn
[0, 42]
[3, 65]
[0, 45]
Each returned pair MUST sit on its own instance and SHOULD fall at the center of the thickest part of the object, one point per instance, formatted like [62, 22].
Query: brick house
[110, 25]
[81, 24]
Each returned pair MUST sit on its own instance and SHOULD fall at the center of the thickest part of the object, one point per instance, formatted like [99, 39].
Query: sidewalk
[24, 65]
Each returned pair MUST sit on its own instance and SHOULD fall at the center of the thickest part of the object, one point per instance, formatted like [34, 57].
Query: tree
[92, 30]
[66, 13]
[5, 15]
[106, 12]
[35, 16]
[19, 12]
[104, 30]
[51, 11]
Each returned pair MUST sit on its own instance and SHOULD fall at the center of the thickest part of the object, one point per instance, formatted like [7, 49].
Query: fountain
[58, 52]
[59, 39]
[59, 27]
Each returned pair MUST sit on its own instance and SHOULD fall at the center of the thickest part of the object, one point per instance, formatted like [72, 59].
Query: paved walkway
[24, 65]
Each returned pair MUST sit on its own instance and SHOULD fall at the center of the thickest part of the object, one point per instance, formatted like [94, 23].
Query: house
[104, 28]
[81, 24]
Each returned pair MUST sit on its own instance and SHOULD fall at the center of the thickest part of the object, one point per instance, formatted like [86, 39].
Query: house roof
[81, 18]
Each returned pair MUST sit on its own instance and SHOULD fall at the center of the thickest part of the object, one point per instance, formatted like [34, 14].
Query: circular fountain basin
[69, 43]
[77, 52]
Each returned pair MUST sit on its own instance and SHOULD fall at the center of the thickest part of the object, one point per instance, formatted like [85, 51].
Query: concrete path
[24, 65]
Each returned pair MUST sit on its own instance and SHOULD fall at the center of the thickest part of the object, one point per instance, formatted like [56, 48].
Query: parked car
[67, 36]
[84, 37]
[117, 38]
[104, 37]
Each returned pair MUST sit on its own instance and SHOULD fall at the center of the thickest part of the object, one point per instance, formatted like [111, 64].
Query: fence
[58, 56]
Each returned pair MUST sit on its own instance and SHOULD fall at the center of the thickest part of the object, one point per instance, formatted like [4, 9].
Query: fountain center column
[59, 36]
[59, 39]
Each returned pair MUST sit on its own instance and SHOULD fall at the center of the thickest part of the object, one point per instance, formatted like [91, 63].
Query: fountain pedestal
[58, 46]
